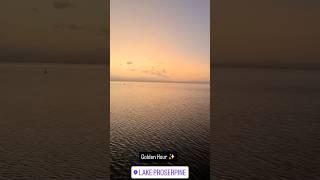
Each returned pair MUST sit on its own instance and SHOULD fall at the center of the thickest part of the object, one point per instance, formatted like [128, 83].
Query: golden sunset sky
[160, 40]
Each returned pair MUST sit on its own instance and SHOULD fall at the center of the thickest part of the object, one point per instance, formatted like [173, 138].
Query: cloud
[62, 4]
[156, 72]
[72, 27]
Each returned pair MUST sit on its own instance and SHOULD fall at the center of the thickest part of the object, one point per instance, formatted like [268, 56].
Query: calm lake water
[160, 117]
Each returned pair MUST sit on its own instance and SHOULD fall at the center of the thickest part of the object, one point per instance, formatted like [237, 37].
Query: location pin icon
[135, 171]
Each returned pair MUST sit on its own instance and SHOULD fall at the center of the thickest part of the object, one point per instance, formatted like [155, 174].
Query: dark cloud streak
[156, 72]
